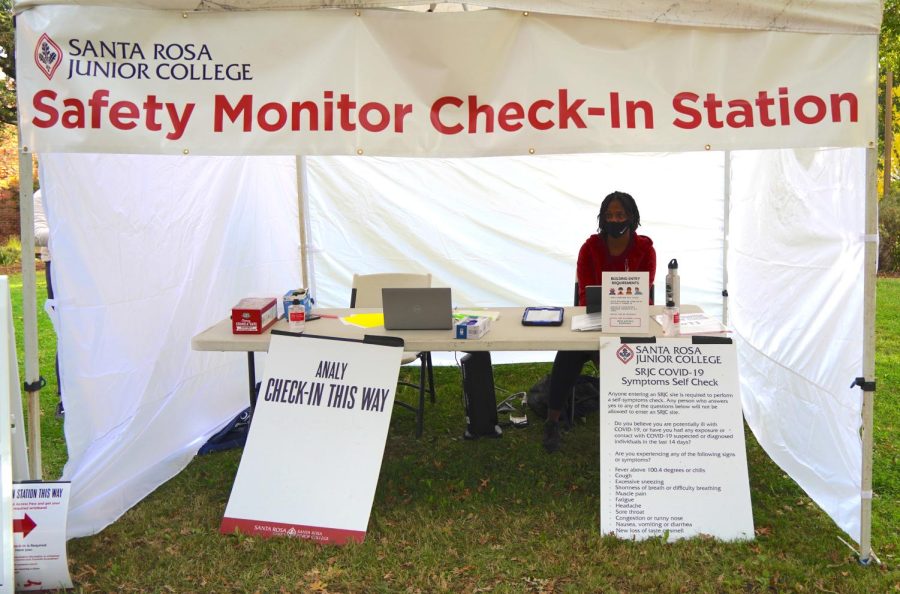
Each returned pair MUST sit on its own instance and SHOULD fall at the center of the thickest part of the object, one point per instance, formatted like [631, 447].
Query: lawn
[452, 515]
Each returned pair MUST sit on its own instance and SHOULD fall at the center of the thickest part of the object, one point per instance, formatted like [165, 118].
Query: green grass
[53, 443]
[492, 516]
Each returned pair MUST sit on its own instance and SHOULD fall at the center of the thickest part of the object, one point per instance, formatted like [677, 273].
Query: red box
[253, 315]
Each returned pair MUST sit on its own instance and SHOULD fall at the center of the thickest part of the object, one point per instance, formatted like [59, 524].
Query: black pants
[566, 368]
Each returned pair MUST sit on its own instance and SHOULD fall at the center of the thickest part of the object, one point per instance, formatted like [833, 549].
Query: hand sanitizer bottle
[672, 327]
[296, 316]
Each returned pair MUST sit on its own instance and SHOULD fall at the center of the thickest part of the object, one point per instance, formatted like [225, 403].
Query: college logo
[624, 353]
[47, 56]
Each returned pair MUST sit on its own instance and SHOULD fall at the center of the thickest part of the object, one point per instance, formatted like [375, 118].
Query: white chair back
[367, 287]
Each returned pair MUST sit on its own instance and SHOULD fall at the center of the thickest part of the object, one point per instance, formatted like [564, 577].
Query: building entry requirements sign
[626, 303]
[313, 454]
[672, 452]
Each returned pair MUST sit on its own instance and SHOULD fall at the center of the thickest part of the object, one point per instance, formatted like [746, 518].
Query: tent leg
[868, 387]
[29, 312]
[726, 187]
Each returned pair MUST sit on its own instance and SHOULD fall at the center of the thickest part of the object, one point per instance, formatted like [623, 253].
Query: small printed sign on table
[625, 303]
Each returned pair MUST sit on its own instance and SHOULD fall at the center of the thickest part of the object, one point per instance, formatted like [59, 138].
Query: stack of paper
[475, 313]
[587, 322]
[696, 323]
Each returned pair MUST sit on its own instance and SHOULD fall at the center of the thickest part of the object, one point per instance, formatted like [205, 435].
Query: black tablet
[543, 316]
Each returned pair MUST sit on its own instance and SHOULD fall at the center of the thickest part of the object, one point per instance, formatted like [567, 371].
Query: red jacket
[594, 259]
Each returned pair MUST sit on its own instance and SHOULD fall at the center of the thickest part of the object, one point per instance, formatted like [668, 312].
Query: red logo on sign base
[47, 56]
[624, 353]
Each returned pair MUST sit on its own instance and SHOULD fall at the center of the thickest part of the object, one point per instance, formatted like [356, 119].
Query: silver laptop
[417, 309]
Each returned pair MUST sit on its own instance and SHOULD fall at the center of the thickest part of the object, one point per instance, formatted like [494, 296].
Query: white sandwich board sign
[313, 454]
[672, 454]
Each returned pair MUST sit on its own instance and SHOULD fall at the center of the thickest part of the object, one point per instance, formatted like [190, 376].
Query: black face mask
[615, 229]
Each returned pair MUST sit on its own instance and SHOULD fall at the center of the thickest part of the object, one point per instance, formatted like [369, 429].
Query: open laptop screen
[417, 309]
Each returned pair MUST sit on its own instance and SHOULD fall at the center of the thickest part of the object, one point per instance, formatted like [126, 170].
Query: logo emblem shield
[47, 56]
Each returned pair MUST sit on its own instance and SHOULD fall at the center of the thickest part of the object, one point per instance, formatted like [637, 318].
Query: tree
[7, 64]
[889, 48]
[889, 60]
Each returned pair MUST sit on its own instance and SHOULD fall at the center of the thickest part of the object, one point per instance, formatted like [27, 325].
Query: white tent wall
[506, 231]
[148, 251]
[796, 271]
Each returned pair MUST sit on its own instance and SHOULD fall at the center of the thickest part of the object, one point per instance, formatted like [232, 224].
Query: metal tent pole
[301, 220]
[306, 254]
[888, 132]
[725, 231]
[29, 311]
[868, 379]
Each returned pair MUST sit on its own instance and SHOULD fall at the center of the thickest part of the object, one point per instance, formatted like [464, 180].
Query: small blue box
[302, 295]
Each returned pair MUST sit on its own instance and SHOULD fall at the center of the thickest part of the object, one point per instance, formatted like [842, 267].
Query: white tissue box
[472, 326]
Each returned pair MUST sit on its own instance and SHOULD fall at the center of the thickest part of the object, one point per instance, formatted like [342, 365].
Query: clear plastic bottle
[296, 316]
[672, 327]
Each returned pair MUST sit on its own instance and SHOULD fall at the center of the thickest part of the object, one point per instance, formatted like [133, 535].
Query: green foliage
[11, 252]
[889, 42]
[487, 516]
[53, 443]
[7, 63]
[889, 61]
[889, 231]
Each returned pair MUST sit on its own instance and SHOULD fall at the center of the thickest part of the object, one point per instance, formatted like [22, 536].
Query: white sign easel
[672, 451]
[13, 455]
[313, 454]
[40, 511]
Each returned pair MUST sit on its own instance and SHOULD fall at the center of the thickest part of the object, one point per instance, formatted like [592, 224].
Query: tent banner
[395, 83]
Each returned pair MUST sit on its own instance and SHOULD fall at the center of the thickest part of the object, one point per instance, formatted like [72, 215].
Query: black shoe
[552, 438]
[60, 411]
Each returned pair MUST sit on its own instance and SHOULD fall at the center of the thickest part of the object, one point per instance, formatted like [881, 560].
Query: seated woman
[615, 248]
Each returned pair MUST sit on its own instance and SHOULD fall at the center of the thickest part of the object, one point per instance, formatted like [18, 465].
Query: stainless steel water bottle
[673, 284]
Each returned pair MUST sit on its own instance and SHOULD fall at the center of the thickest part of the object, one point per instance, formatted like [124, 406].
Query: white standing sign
[39, 516]
[626, 304]
[672, 452]
[313, 454]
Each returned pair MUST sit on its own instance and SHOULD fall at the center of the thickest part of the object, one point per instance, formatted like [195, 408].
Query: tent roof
[832, 16]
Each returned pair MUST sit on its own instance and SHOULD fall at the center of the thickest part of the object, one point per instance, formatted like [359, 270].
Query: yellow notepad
[364, 320]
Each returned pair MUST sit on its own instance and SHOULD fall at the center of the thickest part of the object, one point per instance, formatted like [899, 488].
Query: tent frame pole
[29, 311]
[307, 263]
[726, 187]
[868, 387]
[300, 168]
[888, 132]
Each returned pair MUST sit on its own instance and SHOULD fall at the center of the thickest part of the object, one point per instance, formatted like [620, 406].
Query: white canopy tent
[148, 250]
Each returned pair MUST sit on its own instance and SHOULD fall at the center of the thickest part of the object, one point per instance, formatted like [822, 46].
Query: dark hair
[627, 203]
